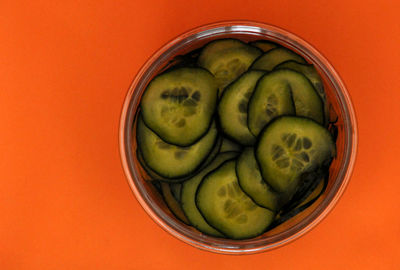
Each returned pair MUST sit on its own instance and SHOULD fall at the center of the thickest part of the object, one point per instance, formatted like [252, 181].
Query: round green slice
[274, 57]
[291, 146]
[312, 74]
[212, 49]
[264, 45]
[307, 70]
[271, 98]
[154, 176]
[178, 105]
[171, 161]
[252, 183]
[188, 195]
[232, 109]
[227, 59]
[306, 100]
[227, 208]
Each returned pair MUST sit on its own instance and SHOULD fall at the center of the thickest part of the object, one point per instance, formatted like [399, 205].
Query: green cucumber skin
[230, 234]
[284, 111]
[297, 210]
[313, 77]
[156, 177]
[188, 197]
[242, 136]
[315, 104]
[260, 62]
[310, 182]
[150, 113]
[260, 45]
[275, 203]
[190, 164]
[290, 192]
[219, 58]
[238, 44]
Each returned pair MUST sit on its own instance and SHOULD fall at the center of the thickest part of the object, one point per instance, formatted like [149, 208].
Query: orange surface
[65, 67]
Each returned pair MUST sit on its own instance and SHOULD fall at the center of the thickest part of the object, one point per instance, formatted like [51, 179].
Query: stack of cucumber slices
[235, 136]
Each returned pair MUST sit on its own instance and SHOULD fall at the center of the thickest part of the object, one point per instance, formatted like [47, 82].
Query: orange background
[65, 67]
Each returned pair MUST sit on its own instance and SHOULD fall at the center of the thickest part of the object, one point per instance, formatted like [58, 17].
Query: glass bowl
[340, 110]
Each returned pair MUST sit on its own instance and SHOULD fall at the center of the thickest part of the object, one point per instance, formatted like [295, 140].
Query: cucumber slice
[232, 109]
[306, 100]
[214, 48]
[212, 155]
[291, 146]
[274, 57]
[252, 183]
[315, 193]
[154, 176]
[272, 98]
[264, 45]
[188, 193]
[227, 208]
[228, 146]
[176, 190]
[178, 105]
[307, 184]
[172, 203]
[171, 161]
[227, 59]
[311, 73]
[307, 70]
[282, 217]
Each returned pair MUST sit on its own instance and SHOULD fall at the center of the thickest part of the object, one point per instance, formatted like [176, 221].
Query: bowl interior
[340, 112]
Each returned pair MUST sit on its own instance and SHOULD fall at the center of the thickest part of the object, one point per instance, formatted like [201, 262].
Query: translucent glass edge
[170, 46]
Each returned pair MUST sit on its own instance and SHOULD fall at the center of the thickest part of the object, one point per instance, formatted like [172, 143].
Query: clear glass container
[340, 109]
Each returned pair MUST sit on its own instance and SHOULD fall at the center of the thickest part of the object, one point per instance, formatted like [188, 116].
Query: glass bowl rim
[315, 217]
